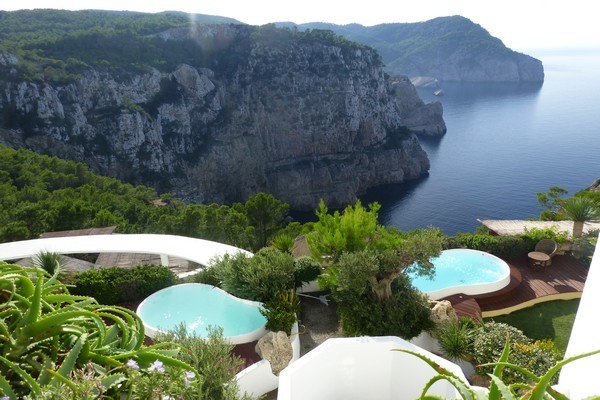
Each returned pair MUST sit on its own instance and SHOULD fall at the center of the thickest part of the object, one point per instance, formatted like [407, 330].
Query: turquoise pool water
[464, 271]
[199, 306]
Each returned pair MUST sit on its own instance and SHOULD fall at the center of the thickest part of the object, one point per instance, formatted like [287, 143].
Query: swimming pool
[198, 306]
[465, 271]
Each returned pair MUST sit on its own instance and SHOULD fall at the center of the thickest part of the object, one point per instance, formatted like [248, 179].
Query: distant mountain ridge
[447, 48]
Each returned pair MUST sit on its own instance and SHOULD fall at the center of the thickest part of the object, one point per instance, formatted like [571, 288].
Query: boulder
[442, 311]
[276, 348]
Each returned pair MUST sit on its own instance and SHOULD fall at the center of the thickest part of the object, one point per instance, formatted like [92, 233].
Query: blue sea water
[505, 143]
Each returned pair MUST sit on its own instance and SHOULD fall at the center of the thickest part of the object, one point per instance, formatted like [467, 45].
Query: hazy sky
[520, 24]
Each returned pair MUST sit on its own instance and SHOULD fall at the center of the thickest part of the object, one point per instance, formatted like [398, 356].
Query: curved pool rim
[477, 288]
[251, 336]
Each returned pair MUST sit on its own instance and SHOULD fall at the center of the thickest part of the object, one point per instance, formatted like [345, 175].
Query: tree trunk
[577, 228]
[383, 287]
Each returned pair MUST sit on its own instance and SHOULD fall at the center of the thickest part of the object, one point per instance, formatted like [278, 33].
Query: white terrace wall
[579, 380]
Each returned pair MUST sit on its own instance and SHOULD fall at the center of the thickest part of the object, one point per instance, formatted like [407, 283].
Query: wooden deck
[564, 279]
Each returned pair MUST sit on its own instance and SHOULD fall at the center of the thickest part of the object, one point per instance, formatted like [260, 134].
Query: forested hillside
[40, 194]
[210, 112]
[447, 48]
[58, 45]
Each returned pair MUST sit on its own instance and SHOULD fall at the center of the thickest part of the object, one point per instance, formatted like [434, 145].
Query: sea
[504, 144]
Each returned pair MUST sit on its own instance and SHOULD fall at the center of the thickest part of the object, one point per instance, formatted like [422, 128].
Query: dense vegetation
[41, 194]
[58, 345]
[123, 285]
[365, 270]
[362, 263]
[57, 46]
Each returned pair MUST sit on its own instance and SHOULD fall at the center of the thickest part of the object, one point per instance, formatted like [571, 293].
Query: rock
[276, 348]
[422, 119]
[595, 187]
[7, 59]
[304, 121]
[442, 311]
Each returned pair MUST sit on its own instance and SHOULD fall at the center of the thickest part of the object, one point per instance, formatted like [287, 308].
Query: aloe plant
[538, 390]
[46, 333]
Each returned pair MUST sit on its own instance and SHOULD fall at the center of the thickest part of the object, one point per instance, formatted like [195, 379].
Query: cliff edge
[303, 116]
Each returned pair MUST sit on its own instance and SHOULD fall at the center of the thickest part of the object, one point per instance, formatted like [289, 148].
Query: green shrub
[258, 278]
[501, 246]
[206, 276]
[406, 313]
[534, 235]
[282, 312]
[120, 285]
[306, 269]
[212, 357]
[490, 340]
[584, 247]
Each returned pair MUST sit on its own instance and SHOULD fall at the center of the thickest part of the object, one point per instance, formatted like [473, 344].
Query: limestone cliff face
[485, 66]
[301, 119]
[451, 49]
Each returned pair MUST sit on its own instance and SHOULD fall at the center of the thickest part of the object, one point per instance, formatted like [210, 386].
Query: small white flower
[189, 377]
[132, 364]
[157, 366]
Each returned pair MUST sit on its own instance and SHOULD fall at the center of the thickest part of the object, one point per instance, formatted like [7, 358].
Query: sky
[521, 24]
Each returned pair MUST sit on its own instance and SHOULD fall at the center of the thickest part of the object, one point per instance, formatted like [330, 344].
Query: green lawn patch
[550, 320]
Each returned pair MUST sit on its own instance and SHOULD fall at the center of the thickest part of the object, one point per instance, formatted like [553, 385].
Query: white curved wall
[579, 379]
[363, 368]
[192, 249]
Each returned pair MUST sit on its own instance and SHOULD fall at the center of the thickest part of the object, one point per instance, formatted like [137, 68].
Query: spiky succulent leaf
[70, 361]
[113, 379]
[500, 388]
[543, 383]
[494, 390]
[33, 386]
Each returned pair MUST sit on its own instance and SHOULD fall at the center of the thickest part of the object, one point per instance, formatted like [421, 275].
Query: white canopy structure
[196, 250]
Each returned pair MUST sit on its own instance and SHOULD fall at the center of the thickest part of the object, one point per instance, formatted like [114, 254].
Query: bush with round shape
[259, 278]
[489, 343]
[306, 269]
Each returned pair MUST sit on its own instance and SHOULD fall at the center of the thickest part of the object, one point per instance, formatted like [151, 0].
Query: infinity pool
[198, 306]
[465, 271]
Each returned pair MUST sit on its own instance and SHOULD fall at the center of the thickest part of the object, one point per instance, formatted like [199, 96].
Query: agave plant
[579, 210]
[538, 390]
[49, 261]
[46, 333]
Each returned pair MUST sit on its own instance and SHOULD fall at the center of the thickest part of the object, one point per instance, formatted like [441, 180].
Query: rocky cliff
[446, 48]
[301, 116]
